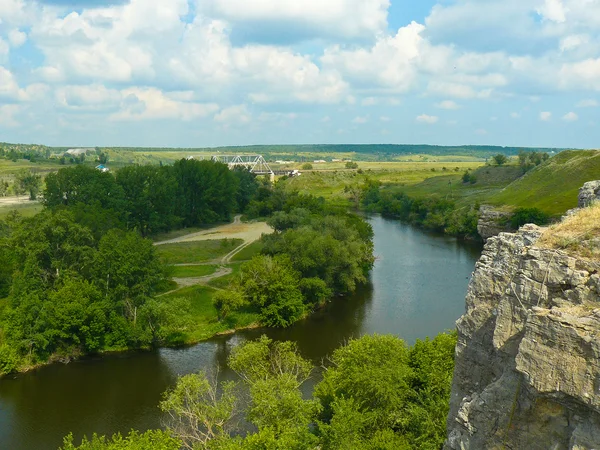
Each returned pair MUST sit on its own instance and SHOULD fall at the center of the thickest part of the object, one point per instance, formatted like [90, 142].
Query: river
[417, 290]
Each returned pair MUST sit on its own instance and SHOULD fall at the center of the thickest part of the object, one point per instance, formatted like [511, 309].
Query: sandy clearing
[248, 232]
[9, 201]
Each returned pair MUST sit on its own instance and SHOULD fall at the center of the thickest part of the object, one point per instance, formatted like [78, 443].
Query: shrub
[523, 216]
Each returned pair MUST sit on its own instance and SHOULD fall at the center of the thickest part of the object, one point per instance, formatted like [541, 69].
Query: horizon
[230, 73]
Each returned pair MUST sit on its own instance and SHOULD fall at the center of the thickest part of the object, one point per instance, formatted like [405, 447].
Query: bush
[523, 216]
[307, 166]
[351, 165]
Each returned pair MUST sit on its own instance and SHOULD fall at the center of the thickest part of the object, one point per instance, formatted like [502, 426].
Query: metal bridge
[254, 163]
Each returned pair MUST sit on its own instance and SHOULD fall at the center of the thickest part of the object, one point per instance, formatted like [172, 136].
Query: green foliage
[336, 249]
[351, 165]
[307, 166]
[149, 194]
[152, 439]
[522, 216]
[272, 285]
[198, 412]
[228, 301]
[432, 213]
[206, 191]
[29, 182]
[500, 159]
[529, 160]
[378, 390]
[83, 184]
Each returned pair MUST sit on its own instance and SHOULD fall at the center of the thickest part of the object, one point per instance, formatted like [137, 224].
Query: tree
[206, 191]
[82, 184]
[500, 159]
[351, 165]
[152, 439]
[307, 166]
[198, 412]
[150, 193]
[271, 285]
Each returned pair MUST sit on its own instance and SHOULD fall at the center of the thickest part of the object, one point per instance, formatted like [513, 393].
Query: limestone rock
[492, 222]
[589, 193]
[527, 372]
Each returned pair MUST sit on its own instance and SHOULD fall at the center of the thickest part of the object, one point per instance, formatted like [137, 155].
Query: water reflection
[417, 289]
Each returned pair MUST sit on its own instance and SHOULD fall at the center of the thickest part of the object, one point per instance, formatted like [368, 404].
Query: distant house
[102, 168]
[319, 161]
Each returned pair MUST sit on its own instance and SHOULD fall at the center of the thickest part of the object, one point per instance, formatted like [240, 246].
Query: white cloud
[457, 90]
[17, 38]
[588, 103]
[88, 97]
[385, 119]
[573, 41]
[570, 117]
[389, 64]
[553, 10]
[447, 104]
[151, 103]
[302, 19]
[481, 132]
[238, 114]
[4, 48]
[7, 116]
[545, 116]
[515, 115]
[424, 118]
[360, 120]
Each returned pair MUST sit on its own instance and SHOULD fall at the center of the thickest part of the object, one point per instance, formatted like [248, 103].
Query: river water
[417, 290]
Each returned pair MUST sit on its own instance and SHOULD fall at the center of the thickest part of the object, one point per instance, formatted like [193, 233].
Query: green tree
[351, 165]
[206, 191]
[500, 159]
[150, 193]
[522, 216]
[273, 286]
[82, 184]
[152, 439]
[199, 412]
[307, 166]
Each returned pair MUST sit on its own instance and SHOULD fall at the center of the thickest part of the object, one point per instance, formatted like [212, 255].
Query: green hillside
[553, 186]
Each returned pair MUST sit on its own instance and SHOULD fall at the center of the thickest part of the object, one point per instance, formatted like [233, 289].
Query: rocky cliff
[492, 222]
[527, 372]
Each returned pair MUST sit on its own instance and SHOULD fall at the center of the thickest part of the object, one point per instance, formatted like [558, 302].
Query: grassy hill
[553, 186]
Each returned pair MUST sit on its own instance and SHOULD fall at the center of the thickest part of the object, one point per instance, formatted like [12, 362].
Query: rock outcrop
[492, 222]
[589, 193]
[527, 372]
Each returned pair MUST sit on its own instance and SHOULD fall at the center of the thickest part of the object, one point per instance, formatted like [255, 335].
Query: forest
[82, 276]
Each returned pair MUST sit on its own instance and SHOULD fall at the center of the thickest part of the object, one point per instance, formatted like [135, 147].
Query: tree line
[376, 393]
[82, 276]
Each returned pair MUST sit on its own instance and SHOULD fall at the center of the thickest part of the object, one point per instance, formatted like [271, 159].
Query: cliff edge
[527, 372]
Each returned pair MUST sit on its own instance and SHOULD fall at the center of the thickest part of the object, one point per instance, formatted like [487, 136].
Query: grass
[192, 271]
[490, 181]
[196, 251]
[25, 209]
[204, 322]
[577, 234]
[554, 185]
[248, 252]
[224, 282]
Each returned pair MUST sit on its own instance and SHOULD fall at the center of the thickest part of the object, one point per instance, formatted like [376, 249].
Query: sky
[202, 73]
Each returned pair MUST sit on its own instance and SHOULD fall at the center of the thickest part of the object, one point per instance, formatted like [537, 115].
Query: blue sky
[195, 73]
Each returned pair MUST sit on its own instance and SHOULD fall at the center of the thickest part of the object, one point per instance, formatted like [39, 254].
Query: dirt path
[248, 232]
[11, 201]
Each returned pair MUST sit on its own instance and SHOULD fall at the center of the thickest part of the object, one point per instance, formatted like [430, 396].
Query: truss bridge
[254, 163]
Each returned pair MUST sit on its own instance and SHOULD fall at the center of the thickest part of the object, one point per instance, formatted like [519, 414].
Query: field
[197, 252]
[553, 187]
